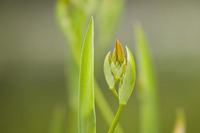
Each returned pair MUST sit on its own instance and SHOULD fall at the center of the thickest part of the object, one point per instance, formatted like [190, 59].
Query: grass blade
[72, 24]
[86, 114]
[180, 126]
[147, 85]
[108, 16]
[57, 121]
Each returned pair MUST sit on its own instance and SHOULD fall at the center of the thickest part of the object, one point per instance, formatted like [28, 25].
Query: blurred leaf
[128, 82]
[87, 118]
[72, 15]
[57, 121]
[180, 126]
[72, 20]
[109, 12]
[72, 71]
[147, 85]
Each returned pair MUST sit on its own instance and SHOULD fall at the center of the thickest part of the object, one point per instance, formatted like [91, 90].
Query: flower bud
[114, 65]
[118, 61]
[119, 69]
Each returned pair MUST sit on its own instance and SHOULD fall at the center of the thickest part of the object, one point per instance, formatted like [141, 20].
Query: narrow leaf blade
[147, 85]
[108, 15]
[180, 125]
[57, 121]
[86, 114]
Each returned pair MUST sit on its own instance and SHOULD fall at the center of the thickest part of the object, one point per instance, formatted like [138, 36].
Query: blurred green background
[32, 51]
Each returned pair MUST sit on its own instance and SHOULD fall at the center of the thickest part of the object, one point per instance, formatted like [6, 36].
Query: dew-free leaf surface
[86, 113]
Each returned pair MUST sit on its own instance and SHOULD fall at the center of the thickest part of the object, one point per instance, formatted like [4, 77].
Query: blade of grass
[71, 23]
[147, 85]
[57, 121]
[86, 113]
[108, 16]
[180, 126]
[72, 71]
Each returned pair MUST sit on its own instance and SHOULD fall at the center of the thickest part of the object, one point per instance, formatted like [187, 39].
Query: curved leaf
[128, 83]
[107, 72]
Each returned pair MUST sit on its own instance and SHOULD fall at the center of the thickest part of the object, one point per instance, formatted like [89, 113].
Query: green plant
[72, 15]
[120, 72]
[147, 85]
[119, 68]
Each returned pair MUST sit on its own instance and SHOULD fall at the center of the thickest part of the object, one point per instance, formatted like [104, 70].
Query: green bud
[118, 55]
[119, 69]
[114, 65]
[127, 85]
[118, 61]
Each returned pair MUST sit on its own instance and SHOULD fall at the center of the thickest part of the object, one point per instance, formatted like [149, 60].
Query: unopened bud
[115, 65]
[119, 69]
[118, 61]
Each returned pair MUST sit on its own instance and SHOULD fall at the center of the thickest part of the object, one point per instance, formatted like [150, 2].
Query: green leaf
[108, 15]
[57, 121]
[86, 114]
[128, 83]
[147, 85]
[180, 125]
[107, 72]
[71, 19]
[146, 71]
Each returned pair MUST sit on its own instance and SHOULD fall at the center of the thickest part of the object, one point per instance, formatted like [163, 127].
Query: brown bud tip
[119, 51]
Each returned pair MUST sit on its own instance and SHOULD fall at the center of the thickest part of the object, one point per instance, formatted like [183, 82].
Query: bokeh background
[32, 56]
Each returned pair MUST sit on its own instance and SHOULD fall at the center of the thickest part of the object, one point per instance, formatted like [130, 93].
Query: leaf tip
[91, 21]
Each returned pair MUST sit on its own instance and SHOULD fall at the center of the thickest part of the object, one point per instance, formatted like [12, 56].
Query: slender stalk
[113, 90]
[105, 108]
[116, 119]
[115, 93]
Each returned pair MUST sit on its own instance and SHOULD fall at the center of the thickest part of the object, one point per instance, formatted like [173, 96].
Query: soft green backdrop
[32, 50]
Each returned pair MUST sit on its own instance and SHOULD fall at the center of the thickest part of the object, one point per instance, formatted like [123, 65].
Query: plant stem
[115, 93]
[105, 108]
[116, 119]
